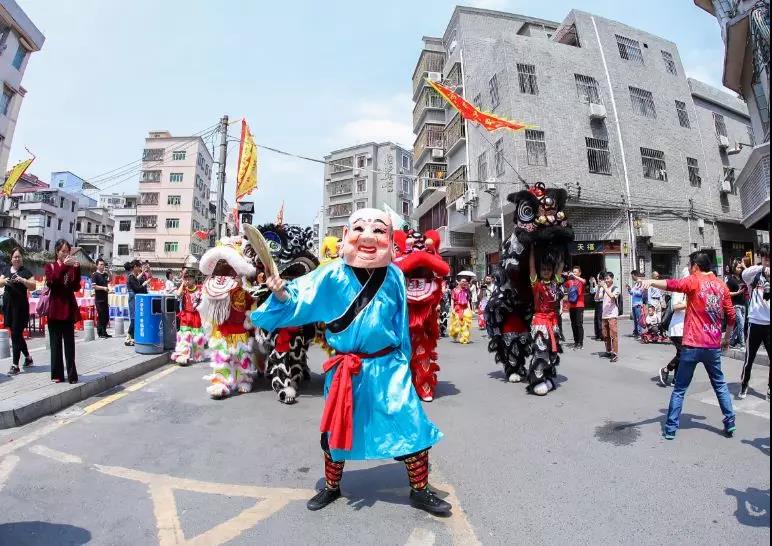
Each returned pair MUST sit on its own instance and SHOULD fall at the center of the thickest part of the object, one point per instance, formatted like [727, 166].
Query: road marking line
[6, 467]
[421, 537]
[460, 527]
[56, 455]
[91, 408]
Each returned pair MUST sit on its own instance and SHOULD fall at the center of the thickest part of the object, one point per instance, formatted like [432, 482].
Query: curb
[35, 409]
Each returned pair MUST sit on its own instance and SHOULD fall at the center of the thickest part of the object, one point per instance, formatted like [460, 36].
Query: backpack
[573, 293]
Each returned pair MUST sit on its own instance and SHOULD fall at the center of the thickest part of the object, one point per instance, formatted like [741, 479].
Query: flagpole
[221, 176]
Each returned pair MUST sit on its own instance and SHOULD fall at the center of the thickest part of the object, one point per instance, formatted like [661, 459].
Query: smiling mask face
[367, 240]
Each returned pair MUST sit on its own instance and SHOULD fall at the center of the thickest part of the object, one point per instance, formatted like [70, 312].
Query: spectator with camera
[17, 279]
[757, 279]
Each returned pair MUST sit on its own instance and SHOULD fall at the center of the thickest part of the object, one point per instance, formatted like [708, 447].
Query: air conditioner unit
[597, 111]
[700, 223]
[438, 153]
[723, 142]
[460, 205]
[471, 195]
[646, 230]
[726, 186]
[369, 156]
[434, 76]
[490, 185]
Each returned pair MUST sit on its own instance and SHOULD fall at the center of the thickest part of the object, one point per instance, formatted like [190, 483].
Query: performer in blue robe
[372, 410]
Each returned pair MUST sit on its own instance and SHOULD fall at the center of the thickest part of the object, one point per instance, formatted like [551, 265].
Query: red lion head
[417, 255]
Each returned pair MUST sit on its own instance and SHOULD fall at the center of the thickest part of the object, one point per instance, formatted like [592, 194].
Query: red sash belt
[338, 415]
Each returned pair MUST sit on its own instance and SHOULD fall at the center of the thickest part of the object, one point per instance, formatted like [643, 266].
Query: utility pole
[221, 177]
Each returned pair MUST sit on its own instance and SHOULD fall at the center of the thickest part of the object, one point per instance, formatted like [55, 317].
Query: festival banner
[246, 178]
[15, 174]
[469, 112]
[280, 215]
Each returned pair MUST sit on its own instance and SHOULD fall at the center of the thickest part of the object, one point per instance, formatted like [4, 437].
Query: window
[340, 210]
[78, 227]
[88, 226]
[171, 246]
[477, 100]
[5, 101]
[340, 188]
[153, 154]
[18, 59]
[151, 176]
[407, 185]
[342, 164]
[59, 224]
[598, 156]
[405, 208]
[669, 63]
[179, 155]
[48, 221]
[361, 161]
[406, 162]
[482, 167]
[147, 222]
[124, 225]
[493, 90]
[72, 208]
[729, 176]
[694, 172]
[683, 115]
[172, 223]
[123, 250]
[535, 147]
[360, 204]
[653, 164]
[362, 185]
[48, 244]
[174, 200]
[629, 50]
[175, 177]
[148, 198]
[643, 102]
[526, 75]
[61, 202]
[72, 226]
[720, 123]
[587, 89]
[498, 156]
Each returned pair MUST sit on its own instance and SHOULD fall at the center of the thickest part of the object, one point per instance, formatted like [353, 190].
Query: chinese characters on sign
[595, 247]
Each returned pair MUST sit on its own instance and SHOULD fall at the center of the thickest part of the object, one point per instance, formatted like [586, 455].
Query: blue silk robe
[388, 419]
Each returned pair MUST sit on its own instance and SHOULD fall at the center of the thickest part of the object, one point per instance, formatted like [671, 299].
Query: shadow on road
[752, 506]
[39, 533]
[762, 444]
[622, 433]
[445, 388]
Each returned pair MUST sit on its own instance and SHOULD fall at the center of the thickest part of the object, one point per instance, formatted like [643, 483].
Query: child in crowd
[190, 337]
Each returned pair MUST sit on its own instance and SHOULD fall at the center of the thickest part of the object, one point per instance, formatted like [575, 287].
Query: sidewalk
[102, 364]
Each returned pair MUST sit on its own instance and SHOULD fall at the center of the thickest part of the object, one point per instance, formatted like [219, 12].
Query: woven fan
[262, 250]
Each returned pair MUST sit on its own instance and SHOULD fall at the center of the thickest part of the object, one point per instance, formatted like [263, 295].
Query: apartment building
[43, 215]
[646, 154]
[123, 211]
[19, 38]
[94, 233]
[173, 201]
[75, 185]
[745, 31]
[368, 175]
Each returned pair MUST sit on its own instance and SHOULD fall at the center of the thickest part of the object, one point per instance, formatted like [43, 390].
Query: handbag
[42, 308]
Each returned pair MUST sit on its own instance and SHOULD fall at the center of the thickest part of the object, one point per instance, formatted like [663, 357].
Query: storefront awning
[665, 246]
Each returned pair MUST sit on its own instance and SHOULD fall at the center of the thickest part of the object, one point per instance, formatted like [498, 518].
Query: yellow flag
[15, 174]
[246, 179]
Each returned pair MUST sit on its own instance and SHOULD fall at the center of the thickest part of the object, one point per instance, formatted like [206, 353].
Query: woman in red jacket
[63, 280]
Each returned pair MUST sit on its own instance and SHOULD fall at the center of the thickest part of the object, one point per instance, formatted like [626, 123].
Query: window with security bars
[751, 136]
[720, 123]
[493, 90]
[526, 75]
[667, 57]
[535, 147]
[498, 156]
[629, 50]
[694, 172]
[730, 177]
[598, 155]
[653, 164]
[342, 164]
[587, 89]
[477, 100]
[683, 115]
[482, 167]
[643, 102]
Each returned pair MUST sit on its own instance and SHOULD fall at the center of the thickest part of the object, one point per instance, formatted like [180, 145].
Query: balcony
[456, 186]
[455, 133]
[146, 222]
[144, 245]
[431, 136]
[428, 100]
[431, 177]
[454, 80]
[429, 61]
[95, 238]
[753, 186]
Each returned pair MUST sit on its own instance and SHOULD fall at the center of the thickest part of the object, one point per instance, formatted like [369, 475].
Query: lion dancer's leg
[284, 364]
[541, 373]
[423, 366]
[466, 326]
[455, 325]
[183, 350]
[333, 472]
[222, 376]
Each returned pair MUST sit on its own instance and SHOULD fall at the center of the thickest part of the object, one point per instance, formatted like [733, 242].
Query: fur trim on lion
[236, 260]
[215, 306]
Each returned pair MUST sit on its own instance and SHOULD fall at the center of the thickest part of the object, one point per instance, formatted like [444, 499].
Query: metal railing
[454, 131]
[429, 98]
[432, 176]
[430, 61]
[456, 185]
[431, 136]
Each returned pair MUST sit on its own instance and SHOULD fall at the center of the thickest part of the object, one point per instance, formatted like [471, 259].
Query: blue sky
[309, 76]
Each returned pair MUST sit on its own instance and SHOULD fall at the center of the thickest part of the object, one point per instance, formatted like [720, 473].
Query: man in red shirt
[708, 301]
[574, 288]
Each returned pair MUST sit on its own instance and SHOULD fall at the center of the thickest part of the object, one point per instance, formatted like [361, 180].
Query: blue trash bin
[148, 328]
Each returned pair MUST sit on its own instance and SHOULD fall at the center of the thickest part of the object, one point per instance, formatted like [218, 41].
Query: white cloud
[386, 119]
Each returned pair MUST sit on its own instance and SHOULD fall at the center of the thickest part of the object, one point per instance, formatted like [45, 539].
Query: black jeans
[62, 332]
[598, 320]
[672, 366]
[757, 334]
[577, 327]
[103, 317]
[18, 342]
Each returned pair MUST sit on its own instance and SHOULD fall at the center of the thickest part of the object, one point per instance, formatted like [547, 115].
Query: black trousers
[103, 317]
[18, 342]
[62, 332]
[672, 366]
[598, 319]
[757, 334]
[577, 326]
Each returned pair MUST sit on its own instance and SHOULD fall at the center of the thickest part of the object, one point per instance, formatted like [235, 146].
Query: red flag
[201, 234]
[470, 112]
[280, 215]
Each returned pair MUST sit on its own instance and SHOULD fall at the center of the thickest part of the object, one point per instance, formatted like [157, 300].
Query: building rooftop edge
[703, 90]
[366, 144]
[23, 24]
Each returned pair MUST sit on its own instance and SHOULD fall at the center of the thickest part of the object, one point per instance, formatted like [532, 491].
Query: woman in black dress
[17, 279]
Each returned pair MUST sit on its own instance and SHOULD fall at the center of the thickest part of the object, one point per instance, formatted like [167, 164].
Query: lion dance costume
[191, 341]
[516, 329]
[224, 309]
[460, 315]
[424, 269]
[284, 352]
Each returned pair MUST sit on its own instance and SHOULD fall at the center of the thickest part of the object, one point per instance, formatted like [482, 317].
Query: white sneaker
[743, 394]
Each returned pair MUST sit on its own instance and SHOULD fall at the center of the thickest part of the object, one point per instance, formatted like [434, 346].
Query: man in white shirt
[757, 279]
[610, 295]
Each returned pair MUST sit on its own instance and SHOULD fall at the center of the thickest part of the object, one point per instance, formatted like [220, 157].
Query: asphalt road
[157, 462]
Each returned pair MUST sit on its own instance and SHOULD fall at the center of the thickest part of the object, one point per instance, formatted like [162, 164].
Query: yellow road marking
[460, 527]
[56, 455]
[91, 408]
[6, 467]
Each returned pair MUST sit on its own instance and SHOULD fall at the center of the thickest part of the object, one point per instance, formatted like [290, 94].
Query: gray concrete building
[368, 175]
[641, 148]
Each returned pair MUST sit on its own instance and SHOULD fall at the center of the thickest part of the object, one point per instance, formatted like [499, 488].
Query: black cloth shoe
[426, 500]
[14, 370]
[323, 498]
[28, 362]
